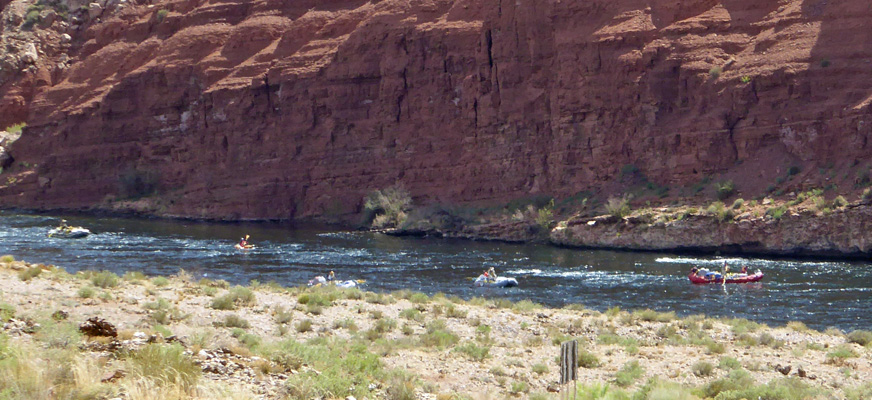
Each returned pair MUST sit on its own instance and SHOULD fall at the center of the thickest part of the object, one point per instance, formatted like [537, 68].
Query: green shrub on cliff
[725, 189]
[721, 212]
[388, 207]
[618, 206]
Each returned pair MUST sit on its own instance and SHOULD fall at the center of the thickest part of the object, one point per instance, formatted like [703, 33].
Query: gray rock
[94, 10]
[66, 38]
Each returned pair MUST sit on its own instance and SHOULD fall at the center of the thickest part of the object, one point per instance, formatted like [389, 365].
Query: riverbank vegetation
[181, 337]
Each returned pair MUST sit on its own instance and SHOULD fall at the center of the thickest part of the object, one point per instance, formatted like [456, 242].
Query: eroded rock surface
[270, 109]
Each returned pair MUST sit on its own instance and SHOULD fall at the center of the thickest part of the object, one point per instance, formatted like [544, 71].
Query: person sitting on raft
[331, 276]
[243, 242]
[64, 227]
[492, 273]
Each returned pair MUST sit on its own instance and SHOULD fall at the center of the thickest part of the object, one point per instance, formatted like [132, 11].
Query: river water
[818, 293]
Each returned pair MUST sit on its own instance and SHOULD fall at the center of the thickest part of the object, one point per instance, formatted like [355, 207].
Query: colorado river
[818, 293]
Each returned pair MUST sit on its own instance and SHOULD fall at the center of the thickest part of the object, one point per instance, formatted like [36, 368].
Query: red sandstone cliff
[275, 109]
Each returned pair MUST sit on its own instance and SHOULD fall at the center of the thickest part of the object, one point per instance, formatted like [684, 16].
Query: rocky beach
[97, 335]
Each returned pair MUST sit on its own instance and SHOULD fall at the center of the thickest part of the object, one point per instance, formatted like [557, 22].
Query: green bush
[337, 368]
[165, 364]
[654, 316]
[519, 387]
[160, 281]
[412, 314]
[161, 14]
[438, 335]
[86, 292]
[725, 189]
[105, 279]
[862, 392]
[629, 373]
[839, 354]
[618, 207]
[30, 273]
[737, 379]
[6, 312]
[235, 321]
[729, 363]
[388, 207]
[715, 72]
[473, 351]
[784, 388]
[540, 369]
[237, 296]
[861, 337]
[586, 359]
[702, 368]
[304, 325]
[737, 204]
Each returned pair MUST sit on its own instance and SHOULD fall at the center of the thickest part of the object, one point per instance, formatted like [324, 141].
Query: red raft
[732, 278]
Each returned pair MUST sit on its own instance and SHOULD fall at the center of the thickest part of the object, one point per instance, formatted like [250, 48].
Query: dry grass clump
[164, 365]
[237, 296]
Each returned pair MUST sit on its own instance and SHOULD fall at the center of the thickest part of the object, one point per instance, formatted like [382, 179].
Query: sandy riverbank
[269, 342]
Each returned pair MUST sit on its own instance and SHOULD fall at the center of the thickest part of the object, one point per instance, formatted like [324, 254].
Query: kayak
[483, 281]
[69, 233]
[714, 277]
[246, 247]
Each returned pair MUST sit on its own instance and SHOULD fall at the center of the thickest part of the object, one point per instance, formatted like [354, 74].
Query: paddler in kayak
[243, 243]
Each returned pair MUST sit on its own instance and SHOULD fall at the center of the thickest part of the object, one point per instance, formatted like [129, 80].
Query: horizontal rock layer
[272, 109]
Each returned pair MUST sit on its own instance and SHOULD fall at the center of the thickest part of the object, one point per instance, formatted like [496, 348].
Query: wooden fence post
[569, 366]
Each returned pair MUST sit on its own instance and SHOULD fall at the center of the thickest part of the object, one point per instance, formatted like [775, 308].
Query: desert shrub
[867, 194]
[767, 339]
[629, 373]
[597, 391]
[438, 335]
[526, 305]
[235, 321]
[412, 314]
[715, 72]
[586, 359]
[346, 323]
[862, 392]
[29, 273]
[861, 337]
[776, 212]
[746, 79]
[165, 364]
[105, 279]
[784, 388]
[654, 316]
[387, 207]
[725, 189]
[545, 217]
[618, 206]
[737, 204]
[839, 354]
[473, 351]
[702, 368]
[713, 347]
[86, 292]
[337, 369]
[304, 325]
[737, 379]
[133, 276]
[160, 281]
[519, 387]
[419, 298]
[721, 212]
[237, 296]
[840, 201]
[161, 14]
[539, 369]
[798, 326]
[729, 363]
[6, 312]
[741, 325]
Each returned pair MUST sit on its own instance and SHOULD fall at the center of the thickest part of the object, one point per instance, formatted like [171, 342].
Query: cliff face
[273, 109]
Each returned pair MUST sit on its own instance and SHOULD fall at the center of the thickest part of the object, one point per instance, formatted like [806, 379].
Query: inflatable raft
[715, 277]
[69, 233]
[483, 281]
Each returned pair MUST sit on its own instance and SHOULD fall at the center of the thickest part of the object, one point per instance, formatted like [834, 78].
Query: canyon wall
[271, 109]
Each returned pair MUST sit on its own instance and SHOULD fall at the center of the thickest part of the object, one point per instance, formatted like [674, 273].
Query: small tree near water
[387, 207]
